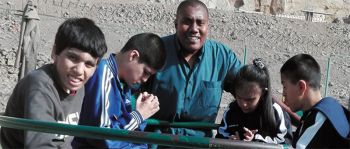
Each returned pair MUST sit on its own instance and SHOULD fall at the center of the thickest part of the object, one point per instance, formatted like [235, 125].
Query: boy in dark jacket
[324, 123]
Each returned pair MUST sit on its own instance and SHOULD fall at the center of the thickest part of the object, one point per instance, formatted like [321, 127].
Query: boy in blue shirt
[107, 101]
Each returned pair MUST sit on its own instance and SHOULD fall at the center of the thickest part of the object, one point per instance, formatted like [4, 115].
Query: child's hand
[249, 134]
[235, 137]
[147, 105]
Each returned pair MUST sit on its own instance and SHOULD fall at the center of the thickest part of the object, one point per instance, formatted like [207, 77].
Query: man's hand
[147, 105]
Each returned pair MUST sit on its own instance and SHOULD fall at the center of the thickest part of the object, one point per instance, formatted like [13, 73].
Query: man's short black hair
[302, 67]
[151, 49]
[193, 3]
[83, 34]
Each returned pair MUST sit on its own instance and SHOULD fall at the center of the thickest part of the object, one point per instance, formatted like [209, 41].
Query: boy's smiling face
[74, 68]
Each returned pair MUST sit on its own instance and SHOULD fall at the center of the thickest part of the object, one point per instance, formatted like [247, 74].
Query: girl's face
[248, 96]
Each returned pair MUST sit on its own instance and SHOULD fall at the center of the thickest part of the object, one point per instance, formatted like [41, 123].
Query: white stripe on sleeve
[310, 132]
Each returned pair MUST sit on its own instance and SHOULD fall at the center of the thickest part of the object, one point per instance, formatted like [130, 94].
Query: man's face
[74, 68]
[290, 94]
[248, 97]
[192, 27]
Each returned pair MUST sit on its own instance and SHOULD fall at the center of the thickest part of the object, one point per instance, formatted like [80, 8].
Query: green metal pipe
[245, 55]
[105, 133]
[128, 136]
[190, 125]
[327, 77]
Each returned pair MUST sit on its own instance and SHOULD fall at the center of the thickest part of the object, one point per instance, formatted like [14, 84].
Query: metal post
[245, 55]
[327, 77]
[349, 103]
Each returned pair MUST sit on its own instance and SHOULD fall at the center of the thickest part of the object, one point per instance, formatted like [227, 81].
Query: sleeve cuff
[137, 116]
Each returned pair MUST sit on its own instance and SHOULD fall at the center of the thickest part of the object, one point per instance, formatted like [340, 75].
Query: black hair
[193, 3]
[302, 67]
[258, 73]
[83, 34]
[151, 49]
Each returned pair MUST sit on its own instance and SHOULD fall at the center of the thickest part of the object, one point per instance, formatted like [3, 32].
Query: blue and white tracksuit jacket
[107, 104]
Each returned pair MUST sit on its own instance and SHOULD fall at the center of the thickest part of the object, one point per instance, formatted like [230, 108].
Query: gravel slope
[271, 38]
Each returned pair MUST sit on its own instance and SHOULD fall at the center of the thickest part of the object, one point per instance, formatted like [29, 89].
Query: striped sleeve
[105, 90]
[128, 120]
[135, 121]
[282, 129]
[222, 130]
[305, 139]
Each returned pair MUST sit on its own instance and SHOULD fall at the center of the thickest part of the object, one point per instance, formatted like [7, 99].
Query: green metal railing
[327, 77]
[128, 136]
[245, 55]
[189, 125]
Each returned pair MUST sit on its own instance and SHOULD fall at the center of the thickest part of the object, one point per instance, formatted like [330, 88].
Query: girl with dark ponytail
[254, 116]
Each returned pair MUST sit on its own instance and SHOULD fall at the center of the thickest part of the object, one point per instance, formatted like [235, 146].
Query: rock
[342, 93]
[66, 15]
[11, 62]
[338, 20]
[3, 52]
[330, 84]
[346, 19]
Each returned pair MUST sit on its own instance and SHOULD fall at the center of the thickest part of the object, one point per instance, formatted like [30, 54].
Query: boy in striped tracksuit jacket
[107, 102]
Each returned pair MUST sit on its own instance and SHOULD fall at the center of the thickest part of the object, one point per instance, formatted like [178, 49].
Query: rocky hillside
[274, 39]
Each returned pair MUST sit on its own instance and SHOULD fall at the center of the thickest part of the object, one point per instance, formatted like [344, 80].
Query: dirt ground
[272, 38]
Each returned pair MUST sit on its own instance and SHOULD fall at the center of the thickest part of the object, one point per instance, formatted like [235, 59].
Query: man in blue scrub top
[189, 87]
